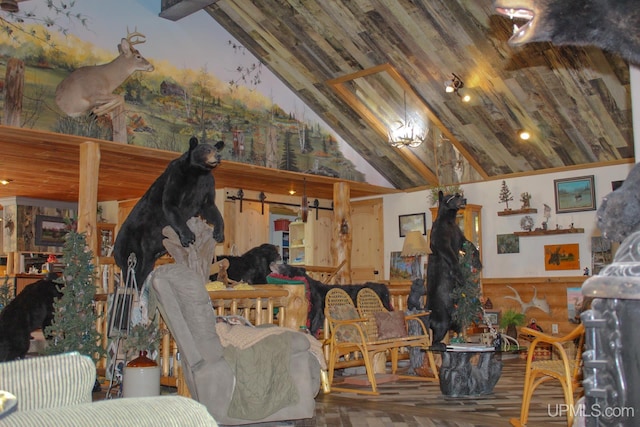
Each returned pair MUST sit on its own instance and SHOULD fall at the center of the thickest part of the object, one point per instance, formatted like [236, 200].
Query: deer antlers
[130, 37]
[539, 303]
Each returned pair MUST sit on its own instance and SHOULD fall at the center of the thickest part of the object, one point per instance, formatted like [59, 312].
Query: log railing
[257, 305]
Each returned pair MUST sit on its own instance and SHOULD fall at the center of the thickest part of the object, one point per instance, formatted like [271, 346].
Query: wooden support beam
[342, 231]
[88, 192]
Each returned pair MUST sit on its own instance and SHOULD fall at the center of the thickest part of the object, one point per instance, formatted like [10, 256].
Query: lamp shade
[415, 244]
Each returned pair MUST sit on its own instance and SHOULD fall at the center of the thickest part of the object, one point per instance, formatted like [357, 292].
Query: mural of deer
[539, 303]
[91, 88]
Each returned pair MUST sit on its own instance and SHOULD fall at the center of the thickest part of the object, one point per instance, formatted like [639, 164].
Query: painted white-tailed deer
[91, 88]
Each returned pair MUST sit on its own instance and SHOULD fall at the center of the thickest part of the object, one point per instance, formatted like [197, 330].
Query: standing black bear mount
[443, 268]
[184, 190]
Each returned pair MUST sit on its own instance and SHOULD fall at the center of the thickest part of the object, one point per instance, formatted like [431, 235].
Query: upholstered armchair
[57, 391]
[275, 379]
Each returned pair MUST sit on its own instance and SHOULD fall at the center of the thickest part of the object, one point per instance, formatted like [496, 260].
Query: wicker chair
[349, 335]
[565, 366]
[368, 304]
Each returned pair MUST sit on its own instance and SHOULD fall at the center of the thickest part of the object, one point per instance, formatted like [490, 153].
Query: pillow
[390, 324]
[345, 333]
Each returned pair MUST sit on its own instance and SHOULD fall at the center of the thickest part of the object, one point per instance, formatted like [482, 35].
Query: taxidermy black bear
[30, 310]
[318, 291]
[184, 190]
[619, 213]
[611, 25]
[443, 267]
[253, 266]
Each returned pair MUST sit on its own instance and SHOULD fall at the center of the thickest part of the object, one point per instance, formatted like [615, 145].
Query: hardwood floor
[420, 403]
[411, 403]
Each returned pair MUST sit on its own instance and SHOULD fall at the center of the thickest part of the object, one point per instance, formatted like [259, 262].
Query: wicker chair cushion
[390, 324]
[346, 333]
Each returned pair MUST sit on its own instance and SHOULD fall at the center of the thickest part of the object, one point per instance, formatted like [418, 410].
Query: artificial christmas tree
[74, 322]
[466, 296]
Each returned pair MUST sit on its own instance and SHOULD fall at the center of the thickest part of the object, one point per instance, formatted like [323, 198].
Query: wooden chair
[369, 303]
[564, 366]
[348, 335]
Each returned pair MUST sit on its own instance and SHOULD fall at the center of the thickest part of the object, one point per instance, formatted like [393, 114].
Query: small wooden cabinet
[469, 220]
[299, 248]
[310, 242]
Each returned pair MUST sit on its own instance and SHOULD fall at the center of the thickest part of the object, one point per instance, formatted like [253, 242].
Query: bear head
[204, 156]
[608, 24]
[619, 214]
[449, 204]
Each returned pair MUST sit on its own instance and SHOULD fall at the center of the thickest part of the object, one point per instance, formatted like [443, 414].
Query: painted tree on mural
[167, 106]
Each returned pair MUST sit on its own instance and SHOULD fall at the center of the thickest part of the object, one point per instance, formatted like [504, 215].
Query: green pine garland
[6, 293]
[74, 322]
[466, 297]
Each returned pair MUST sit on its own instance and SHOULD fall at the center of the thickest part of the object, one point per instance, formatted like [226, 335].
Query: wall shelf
[517, 212]
[540, 232]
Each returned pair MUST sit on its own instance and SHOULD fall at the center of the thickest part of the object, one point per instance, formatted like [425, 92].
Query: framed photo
[412, 222]
[492, 316]
[575, 194]
[508, 244]
[562, 257]
[50, 230]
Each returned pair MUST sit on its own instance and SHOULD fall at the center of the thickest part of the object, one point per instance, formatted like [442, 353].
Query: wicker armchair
[351, 336]
[565, 366]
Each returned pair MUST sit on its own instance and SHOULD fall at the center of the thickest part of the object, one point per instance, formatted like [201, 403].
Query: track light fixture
[454, 85]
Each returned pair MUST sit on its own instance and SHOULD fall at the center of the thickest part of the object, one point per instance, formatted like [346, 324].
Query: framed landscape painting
[400, 266]
[575, 194]
[50, 230]
[412, 222]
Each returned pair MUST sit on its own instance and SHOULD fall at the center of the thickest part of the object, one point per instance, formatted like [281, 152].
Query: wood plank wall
[553, 289]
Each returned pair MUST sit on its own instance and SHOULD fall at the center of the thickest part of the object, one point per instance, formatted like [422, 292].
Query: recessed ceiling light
[5, 181]
[524, 135]
[292, 192]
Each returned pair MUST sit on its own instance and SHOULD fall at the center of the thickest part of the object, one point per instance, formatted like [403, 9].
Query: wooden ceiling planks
[45, 165]
[573, 100]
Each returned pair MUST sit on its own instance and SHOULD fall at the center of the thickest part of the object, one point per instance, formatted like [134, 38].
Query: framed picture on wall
[400, 266]
[562, 257]
[508, 243]
[412, 222]
[575, 194]
[50, 230]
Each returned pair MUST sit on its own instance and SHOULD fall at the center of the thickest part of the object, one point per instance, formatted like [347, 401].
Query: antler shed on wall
[539, 303]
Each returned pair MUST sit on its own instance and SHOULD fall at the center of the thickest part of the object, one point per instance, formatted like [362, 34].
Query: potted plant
[510, 320]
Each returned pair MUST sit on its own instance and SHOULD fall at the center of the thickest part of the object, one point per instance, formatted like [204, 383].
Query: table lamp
[415, 245]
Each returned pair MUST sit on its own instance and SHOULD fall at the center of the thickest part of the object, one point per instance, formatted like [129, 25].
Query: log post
[342, 231]
[14, 88]
[119, 124]
[88, 193]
